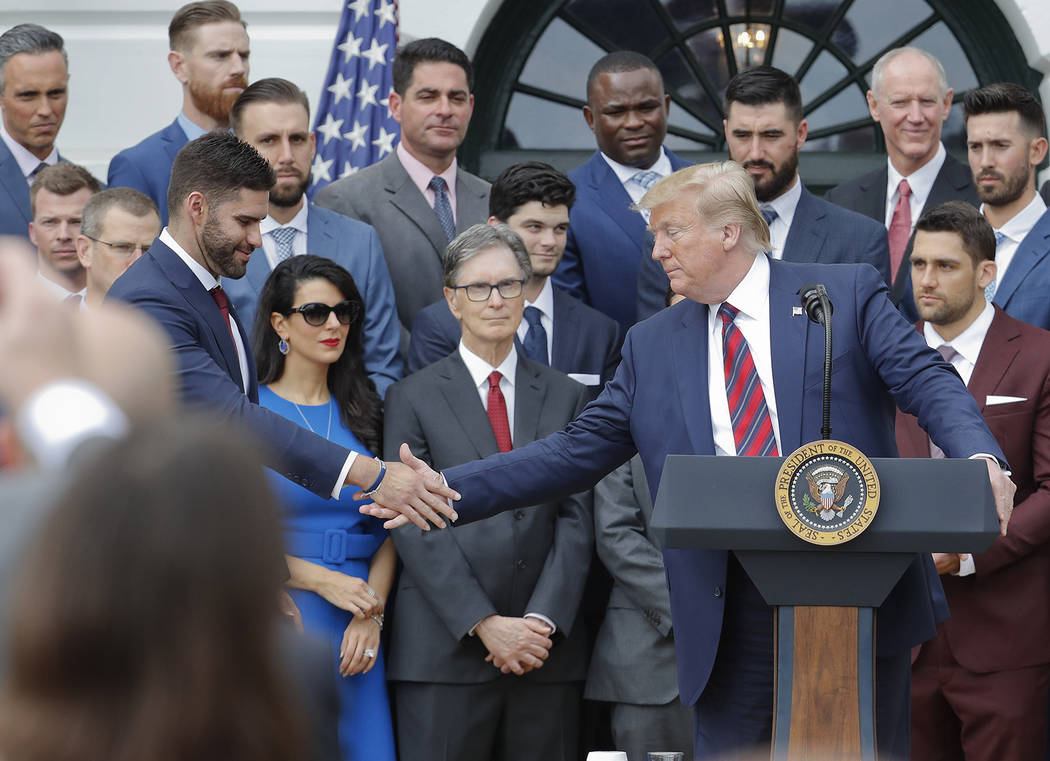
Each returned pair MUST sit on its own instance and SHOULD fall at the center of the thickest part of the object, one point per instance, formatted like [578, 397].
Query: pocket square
[587, 379]
[993, 399]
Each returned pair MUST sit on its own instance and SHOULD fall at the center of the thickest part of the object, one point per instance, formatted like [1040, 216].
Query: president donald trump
[736, 369]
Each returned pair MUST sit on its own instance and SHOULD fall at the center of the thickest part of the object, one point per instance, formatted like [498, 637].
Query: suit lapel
[805, 239]
[566, 340]
[691, 374]
[529, 390]
[191, 289]
[173, 138]
[1001, 346]
[615, 202]
[472, 203]
[405, 196]
[1032, 250]
[14, 184]
[787, 335]
[462, 396]
[872, 199]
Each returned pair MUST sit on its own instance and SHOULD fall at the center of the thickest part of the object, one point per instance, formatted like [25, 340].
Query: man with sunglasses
[273, 116]
[499, 600]
[117, 226]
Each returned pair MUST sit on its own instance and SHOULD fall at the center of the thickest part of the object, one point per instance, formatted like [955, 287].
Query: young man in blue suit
[273, 116]
[219, 194]
[1005, 135]
[627, 111]
[669, 396]
[209, 57]
[764, 130]
[33, 95]
[534, 200]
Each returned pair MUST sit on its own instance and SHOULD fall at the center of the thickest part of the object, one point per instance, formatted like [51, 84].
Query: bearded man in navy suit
[669, 396]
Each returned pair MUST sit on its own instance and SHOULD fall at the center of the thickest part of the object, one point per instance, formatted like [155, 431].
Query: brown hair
[62, 179]
[132, 201]
[183, 26]
[145, 617]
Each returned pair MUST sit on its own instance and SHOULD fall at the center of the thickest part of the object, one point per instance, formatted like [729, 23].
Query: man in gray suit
[503, 669]
[633, 663]
[273, 116]
[417, 198]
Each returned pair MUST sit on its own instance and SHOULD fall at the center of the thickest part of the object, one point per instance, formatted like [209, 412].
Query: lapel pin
[796, 311]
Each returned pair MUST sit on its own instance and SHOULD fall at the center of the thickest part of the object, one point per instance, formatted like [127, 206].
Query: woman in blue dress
[307, 344]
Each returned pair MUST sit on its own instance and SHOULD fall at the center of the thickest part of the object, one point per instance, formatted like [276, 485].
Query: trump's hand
[947, 562]
[1003, 490]
[410, 492]
[515, 645]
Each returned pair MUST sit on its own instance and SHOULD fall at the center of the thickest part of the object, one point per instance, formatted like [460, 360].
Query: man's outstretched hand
[411, 492]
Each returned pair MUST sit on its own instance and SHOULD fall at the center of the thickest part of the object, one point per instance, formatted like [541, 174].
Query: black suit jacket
[867, 194]
[523, 561]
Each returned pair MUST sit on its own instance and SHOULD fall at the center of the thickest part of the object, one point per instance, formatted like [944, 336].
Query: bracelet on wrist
[379, 479]
[378, 618]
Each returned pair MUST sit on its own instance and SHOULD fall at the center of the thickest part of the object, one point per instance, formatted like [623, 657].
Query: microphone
[815, 301]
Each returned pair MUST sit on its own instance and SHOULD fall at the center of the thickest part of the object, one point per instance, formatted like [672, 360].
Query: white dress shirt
[968, 347]
[545, 303]
[59, 291]
[920, 181]
[1015, 231]
[27, 162]
[624, 174]
[751, 298]
[269, 245]
[784, 205]
[209, 281]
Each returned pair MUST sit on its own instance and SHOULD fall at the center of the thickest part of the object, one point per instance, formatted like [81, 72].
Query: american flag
[353, 123]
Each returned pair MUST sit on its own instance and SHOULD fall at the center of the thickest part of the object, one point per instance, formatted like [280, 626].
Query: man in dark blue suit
[273, 116]
[627, 111]
[1005, 129]
[764, 131]
[534, 199]
[209, 57]
[669, 396]
[218, 196]
[33, 95]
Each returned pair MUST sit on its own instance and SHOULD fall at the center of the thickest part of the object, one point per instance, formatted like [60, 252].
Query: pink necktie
[900, 228]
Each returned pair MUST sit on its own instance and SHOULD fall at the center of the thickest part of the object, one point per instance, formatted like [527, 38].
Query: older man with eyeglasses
[498, 600]
[117, 226]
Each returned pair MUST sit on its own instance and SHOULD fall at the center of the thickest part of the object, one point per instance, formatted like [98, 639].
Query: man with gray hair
[34, 74]
[910, 99]
[498, 599]
[117, 226]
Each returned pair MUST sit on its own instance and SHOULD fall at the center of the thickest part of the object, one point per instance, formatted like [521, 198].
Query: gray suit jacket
[633, 659]
[384, 196]
[522, 561]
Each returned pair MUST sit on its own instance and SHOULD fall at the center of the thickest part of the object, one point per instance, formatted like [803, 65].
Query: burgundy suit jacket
[1000, 616]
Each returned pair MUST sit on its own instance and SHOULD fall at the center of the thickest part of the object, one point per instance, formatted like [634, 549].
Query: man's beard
[220, 250]
[778, 181]
[1012, 187]
[287, 196]
[217, 103]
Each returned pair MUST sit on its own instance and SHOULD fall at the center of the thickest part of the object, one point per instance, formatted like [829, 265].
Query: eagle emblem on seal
[827, 484]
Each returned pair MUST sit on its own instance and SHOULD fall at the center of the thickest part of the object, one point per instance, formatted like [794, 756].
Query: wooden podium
[824, 690]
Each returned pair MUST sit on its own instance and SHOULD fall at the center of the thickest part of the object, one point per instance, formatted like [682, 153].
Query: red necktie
[498, 413]
[752, 426]
[900, 228]
[223, 303]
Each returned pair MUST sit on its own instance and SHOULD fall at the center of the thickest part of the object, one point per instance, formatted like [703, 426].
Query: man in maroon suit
[979, 688]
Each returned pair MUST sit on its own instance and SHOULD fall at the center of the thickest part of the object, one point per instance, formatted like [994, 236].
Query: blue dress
[335, 535]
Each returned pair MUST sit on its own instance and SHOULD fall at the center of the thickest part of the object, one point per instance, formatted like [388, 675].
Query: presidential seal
[827, 492]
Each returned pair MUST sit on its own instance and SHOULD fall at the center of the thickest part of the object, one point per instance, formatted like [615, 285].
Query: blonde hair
[725, 194]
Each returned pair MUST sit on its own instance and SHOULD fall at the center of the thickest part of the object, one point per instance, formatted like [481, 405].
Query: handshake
[403, 492]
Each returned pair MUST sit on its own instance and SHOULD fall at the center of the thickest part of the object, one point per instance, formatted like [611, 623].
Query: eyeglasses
[121, 249]
[315, 313]
[508, 289]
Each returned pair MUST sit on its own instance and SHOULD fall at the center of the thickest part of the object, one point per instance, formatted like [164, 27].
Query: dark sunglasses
[315, 313]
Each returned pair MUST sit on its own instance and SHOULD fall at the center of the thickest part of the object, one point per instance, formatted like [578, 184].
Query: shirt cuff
[993, 458]
[544, 619]
[59, 417]
[966, 566]
[342, 474]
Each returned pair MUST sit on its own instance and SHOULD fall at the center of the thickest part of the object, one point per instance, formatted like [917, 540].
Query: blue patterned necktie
[645, 179]
[752, 426]
[535, 343]
[442, 207]
[283, 237]
[989, 290]
[768, 214]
